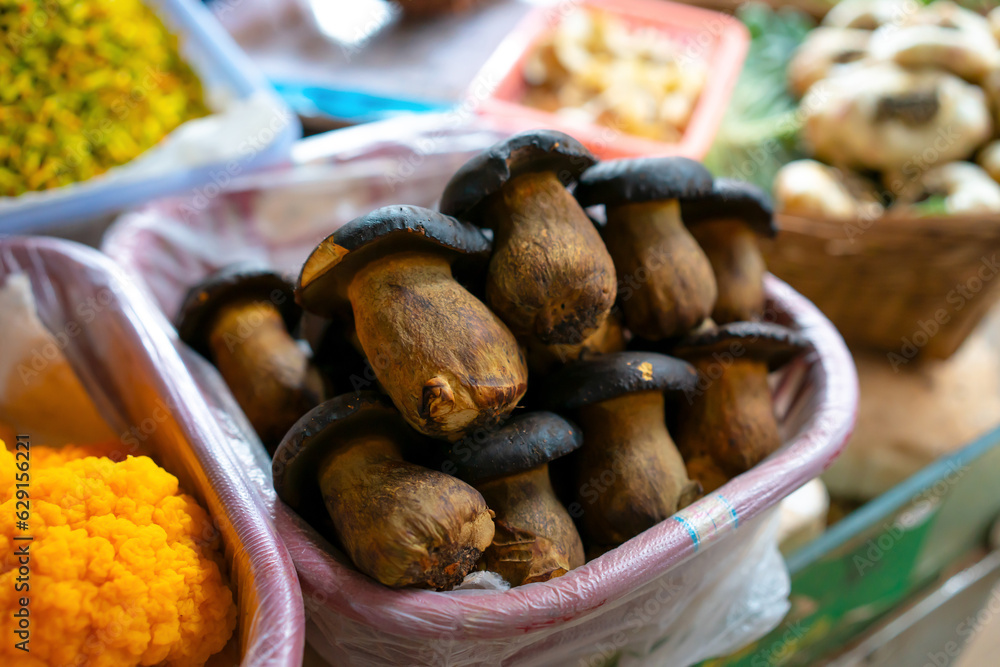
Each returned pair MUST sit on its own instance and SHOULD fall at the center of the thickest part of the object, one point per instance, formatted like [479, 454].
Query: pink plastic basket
[602, 608]
[719, 40]
[130, 362]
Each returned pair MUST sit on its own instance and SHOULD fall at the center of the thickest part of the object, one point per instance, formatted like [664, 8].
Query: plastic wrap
[128, 361]
[668, 596]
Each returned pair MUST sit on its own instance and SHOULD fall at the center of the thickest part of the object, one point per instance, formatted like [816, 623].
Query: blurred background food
[596, 68]
[88, 88]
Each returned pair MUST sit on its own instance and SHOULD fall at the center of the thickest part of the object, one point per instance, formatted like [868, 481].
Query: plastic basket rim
[276, 650]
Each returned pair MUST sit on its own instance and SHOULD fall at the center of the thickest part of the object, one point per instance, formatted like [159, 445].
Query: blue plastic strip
[732, 510]
[691, 531]
[889, 502]
[350, 105]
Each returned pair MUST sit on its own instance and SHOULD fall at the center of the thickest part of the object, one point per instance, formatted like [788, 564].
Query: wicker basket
[907, 286]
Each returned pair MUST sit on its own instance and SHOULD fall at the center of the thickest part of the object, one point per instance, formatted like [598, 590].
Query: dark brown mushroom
[550, 276]
[449, 364]
[666, 282]
[339, 357]
[400, 523]
[631, 475]
[240, 319]
[609, 337]
[730, 417]
[535, 537]
[726, 223]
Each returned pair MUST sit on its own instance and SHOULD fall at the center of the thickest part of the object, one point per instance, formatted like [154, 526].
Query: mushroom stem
[400, 523]
[667, 283]
[535, 538]
[609, 337]
[731, 247]
[732, 418]
[631, 474]
[550, 275]
[447, 362]
[268, 373]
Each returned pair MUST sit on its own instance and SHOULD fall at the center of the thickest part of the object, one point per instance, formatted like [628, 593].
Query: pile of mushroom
[896, 98]
[439, 457]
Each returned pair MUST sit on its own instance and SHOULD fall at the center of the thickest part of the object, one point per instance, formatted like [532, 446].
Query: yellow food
[84, 87]
[598, 69]
[124, 569]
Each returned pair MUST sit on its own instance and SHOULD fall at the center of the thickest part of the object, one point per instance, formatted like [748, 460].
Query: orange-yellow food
[124, 569]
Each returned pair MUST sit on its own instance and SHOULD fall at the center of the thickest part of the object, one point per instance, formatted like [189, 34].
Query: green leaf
[760, 130]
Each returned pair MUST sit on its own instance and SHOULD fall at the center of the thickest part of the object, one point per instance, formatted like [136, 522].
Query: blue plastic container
[221, 66]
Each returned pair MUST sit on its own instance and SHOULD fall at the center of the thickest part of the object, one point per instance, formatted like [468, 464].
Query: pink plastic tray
[719, 40]
[124, 345]
[353, 620]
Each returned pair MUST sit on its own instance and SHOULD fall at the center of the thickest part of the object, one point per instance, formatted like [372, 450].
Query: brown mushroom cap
[773, 343]
[611, 375]
[642, 180]
[531, 151]
[231, 284]
[298, 460]
[524, 442]
[322, 285]
[732, 199]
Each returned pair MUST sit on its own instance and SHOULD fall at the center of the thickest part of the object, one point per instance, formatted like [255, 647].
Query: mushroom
[808, 188]
[873, 115]
[966, 188]
[989, 160]
[609, 337]
[991, 88]
[449, 364]
[240, 318]
[957, 41]
[667, 284]
[550, 276]
[339, 357]
[535, 538]
[730, 417]
[947, 14]
[400, 523]
[630, 474]
[867, 14]
[821, 52]
[726, 224]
